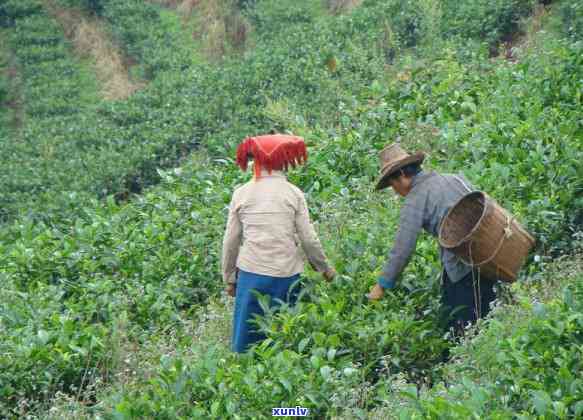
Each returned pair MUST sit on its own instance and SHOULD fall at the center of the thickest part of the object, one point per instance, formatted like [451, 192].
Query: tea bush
[540, 114]
[4, 83]
[93, 6]
[525, 362]
[68, 130]
[79, 282]
[318, 67]
[47, 346]
[141, 30]
[15, 9]
[42, 50]
[305, 360]
[572, 15]
[269, 16]
[5, 89]
[486, 20]
[330, 336]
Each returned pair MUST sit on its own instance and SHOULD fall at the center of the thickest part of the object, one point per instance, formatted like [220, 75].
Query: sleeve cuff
[385, 283]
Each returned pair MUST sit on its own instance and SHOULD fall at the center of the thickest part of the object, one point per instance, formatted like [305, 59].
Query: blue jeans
[247, 306]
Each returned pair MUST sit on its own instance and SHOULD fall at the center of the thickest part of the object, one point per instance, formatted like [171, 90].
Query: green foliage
[526, 362]
[119, 145]
[330, 336]
[66, 132]
[10, 10]
[145, 264]
[42, 52]
[572, 15]
[327, 345]
[5, 89]
[318, 63]
[271, 16]
[539, 113]
[93, 6]
[4, 83]
[48, 345]
[488, 20]
[146, 37]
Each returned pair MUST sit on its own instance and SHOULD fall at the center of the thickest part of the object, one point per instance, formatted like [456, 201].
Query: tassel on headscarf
[274, 152]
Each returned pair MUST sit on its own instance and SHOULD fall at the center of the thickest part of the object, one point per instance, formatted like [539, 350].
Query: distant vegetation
[117, 146]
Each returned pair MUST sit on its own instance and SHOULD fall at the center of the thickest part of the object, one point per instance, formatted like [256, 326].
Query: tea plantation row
[331, 345]
[114, 148]
[136, 270]
[61, 136]
[527, 362]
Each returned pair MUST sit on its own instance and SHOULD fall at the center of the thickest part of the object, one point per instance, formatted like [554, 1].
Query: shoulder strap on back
[463, 183]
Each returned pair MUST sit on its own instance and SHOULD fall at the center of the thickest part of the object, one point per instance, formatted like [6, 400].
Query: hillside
[113, 207]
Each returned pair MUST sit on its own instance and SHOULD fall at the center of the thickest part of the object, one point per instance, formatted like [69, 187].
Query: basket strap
[463, 183]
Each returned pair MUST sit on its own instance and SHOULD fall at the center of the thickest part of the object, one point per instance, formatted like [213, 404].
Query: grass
[208, 331]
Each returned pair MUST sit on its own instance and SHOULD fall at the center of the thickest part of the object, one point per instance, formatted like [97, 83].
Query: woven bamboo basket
[483, 234]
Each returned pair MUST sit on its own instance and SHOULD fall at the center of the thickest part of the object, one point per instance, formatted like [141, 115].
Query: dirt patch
[217, 25]
[337, 7]
[91, 41]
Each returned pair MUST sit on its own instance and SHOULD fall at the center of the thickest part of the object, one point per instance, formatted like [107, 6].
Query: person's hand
[329, 274]
[376, 292]
[231, 289]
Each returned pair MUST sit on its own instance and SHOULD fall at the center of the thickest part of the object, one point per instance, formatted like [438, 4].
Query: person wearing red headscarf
[267, 228]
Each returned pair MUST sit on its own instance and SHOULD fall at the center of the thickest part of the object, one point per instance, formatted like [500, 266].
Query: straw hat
[392, 159]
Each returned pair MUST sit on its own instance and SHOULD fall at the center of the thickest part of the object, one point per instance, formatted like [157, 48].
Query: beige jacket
[268, 220]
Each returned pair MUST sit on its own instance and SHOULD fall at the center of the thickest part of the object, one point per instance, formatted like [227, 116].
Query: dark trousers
[465, 300]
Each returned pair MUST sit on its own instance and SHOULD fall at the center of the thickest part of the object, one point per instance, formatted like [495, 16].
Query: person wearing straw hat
[267, 228]
[428, 196]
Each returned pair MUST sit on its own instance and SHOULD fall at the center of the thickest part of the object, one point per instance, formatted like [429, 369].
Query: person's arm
[410, 224]
[231, 244]
[309, 240]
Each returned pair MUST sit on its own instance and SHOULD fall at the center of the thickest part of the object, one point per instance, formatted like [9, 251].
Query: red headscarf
[272, 152]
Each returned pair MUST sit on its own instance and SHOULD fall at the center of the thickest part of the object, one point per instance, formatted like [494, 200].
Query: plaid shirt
[429, 200]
